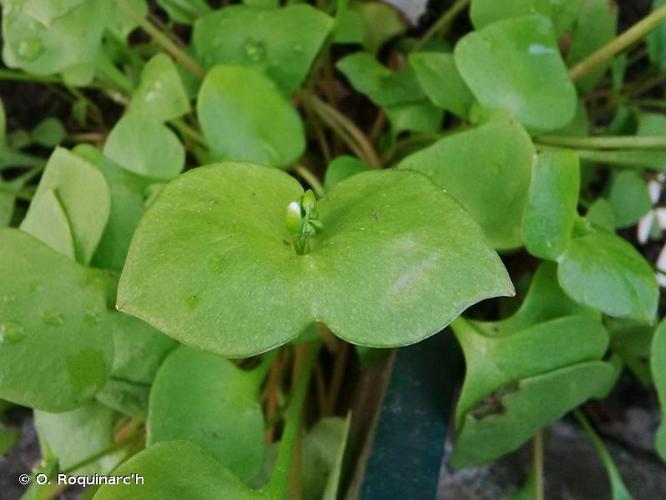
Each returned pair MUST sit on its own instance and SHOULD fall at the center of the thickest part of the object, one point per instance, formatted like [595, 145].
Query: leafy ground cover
[215, 216]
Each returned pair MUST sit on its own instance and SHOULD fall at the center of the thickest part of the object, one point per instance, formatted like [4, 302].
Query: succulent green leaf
[184, 11]
[46, 221]
[484, 168]
[658, 368]
[73, 436]
[120, 23]
[244, 117]
[631, 341]
[514, 413]
[280, 42]
[629, 198]
[49, 132]
[212, 263]
[128, 193]
[84, 196]
[495, 360]
[143, 145]
[600, 215]
[39, 47]
[206, 399]
[552, 204]
[342, 167]
[595, 27]
[421, 116]
[603, 271]
[439, 77]
[177, 469]
[518, 53]
[52, 316]
[563, 13]
[381, 23]
[160, 93]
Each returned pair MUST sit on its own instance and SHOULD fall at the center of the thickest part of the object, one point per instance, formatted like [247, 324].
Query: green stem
[19, 76]
[311, 179]
[113, 74]
[442, 24]
[332, 116]
[17, 193]
[279, 483]
[259, 372]
[617, 142]
[106, 451]
[188, 131]
[653, 103]
[620, 43]
[164, 41]
[633, 158]
[537, 466]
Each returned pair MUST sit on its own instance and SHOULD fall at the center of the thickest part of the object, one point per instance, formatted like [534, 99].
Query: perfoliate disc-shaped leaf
[72, 437]
[84, 196]
[562, 13]
[281, 42]
[245, 117]
[658, 368]
[629, 197]
[603, 271]
[160, 93]
[55, 350]
[204, 398]
[143, 145]
[212, 263]
[438, 75]
[177, 469]
[552, 203]
[184, 11]
[529, 77]
[342, 167]
[512, 414]
[42, 48]
[487, 169]
[128, 193]
[46, 221]
[595, 27]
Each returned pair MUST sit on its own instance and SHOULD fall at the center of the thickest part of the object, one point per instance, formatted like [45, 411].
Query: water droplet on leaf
[254, 50]
[52, 317]
[11, 332]
[30, 48]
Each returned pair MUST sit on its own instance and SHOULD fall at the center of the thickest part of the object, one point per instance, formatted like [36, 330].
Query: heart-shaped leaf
[143, 145]
[212, 263]
[658, 368]
[55, 351]
[71, 38]
[552, 204]
[487, 169]
[160, 93]
[529, 77]
[234, 107]
[282, 42]
[206, 399]
[84, 197]
[438, 75]
[602, 270]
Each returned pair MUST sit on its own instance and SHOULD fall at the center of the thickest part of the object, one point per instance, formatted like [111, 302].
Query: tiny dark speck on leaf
[375, 216]
[286, 242]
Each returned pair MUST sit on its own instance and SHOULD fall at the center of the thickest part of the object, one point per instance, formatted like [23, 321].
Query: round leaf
[487, 169]
[529, 77]
[604, 271]
[629, 198]
[206, 399]
[245, 117]
[212, 263]
[143, 145]
[160, 93]
[281, 42]
[55, 352]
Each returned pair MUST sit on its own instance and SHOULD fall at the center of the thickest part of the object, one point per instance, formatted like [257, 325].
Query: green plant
[163, 273]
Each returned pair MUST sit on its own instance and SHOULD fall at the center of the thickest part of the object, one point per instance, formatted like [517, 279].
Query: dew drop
[254, 50]
[30, 48]
[91, 317]
[11, 332]
[52, 317]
